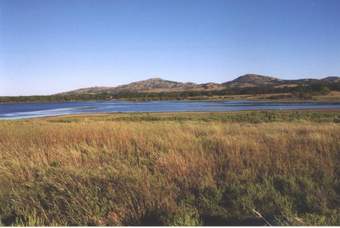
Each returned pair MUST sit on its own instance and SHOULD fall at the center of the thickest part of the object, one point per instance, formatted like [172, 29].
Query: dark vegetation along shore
[250, 87]
[241, 168]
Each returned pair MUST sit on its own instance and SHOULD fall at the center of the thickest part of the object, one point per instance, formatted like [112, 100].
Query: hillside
[252, 80]
[249, 86]
[158, 85]
[149, 85]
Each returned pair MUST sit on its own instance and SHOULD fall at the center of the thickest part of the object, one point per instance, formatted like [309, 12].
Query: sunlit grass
[172, 169]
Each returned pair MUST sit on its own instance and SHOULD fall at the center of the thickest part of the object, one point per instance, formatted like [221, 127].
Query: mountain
[331, 79]
[252, 80]
[242, 84]
[248, 86]
[155, 85]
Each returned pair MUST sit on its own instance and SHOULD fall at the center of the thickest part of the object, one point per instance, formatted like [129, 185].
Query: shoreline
[184, 115]
[330, 101]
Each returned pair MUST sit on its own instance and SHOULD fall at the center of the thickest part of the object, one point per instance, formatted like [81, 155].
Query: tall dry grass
[94, 172]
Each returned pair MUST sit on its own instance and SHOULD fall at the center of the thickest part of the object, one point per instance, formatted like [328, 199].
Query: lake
[30, 110]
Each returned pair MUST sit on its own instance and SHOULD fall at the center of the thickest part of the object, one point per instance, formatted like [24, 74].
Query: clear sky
[49, 46]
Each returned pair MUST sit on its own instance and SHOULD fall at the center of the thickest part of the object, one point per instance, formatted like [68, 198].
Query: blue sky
[51, 46]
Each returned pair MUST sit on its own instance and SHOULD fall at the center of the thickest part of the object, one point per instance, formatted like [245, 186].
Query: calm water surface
[30, 110]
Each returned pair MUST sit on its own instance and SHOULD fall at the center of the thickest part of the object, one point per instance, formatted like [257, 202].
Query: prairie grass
[172, 169]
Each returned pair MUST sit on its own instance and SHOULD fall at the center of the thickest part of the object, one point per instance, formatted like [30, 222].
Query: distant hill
[331, 79]
[251, 80]
[155, 85]
[150, 85]
[248, 81]
[249, 86]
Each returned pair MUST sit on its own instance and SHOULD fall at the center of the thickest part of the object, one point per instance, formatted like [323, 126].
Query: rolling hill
[149, 85]
[249, 86]
[158, 85]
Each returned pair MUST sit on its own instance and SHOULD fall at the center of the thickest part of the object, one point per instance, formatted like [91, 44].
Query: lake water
[30, 110]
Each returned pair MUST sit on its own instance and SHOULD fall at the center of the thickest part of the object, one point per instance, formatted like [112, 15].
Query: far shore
[332, 98]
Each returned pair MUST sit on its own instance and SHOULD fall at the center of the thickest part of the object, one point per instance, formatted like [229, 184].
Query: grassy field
[237, 168]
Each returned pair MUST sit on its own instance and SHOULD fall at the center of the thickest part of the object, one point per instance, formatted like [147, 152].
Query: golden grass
[98, 170]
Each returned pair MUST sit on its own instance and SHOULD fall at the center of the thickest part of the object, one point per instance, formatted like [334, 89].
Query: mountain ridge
[157, 84]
